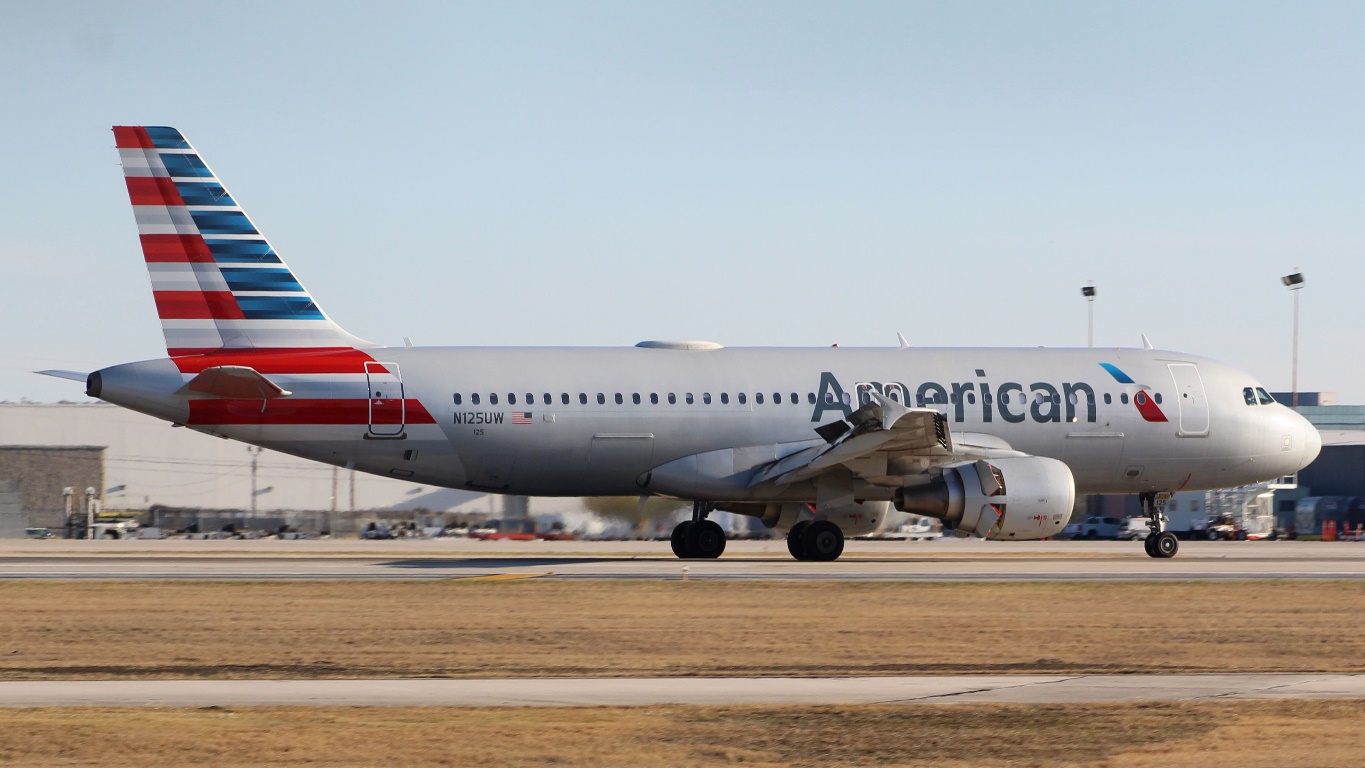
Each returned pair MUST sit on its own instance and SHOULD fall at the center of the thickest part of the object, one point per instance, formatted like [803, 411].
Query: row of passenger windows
[654, 398]
[777, 398]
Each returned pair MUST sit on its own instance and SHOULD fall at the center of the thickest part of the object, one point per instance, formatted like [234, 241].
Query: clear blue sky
[751, 173]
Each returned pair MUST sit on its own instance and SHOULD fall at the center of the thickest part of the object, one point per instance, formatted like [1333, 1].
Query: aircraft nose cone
[1312, 444]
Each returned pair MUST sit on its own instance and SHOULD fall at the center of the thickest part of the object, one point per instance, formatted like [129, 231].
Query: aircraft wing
[864, 442]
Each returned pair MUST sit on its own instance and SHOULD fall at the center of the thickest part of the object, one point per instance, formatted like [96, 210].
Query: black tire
[1165, 545]
[705, 540]
[679, 539]
[1092, 535]
[823, 541]
[1213, 535]
[1147, 545]
[1241, 535]
[796, 540]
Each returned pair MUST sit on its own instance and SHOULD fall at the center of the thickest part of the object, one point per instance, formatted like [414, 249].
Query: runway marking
[503, 576]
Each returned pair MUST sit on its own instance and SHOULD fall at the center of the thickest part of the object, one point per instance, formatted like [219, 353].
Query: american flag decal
[521, 417]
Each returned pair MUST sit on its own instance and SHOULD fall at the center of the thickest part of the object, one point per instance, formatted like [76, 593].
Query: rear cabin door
[1194, 408]
[387, 407]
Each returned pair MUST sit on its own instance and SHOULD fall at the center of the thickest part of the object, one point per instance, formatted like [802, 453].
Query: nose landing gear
[1158, 544]
[1161, 544]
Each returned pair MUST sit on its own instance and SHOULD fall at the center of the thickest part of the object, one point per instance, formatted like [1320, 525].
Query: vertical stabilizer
[218, 284]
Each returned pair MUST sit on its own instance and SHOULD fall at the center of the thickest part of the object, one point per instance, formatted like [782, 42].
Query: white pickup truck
[1094, 528]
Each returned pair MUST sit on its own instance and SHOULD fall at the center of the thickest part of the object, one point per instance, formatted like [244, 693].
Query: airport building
[140, 464]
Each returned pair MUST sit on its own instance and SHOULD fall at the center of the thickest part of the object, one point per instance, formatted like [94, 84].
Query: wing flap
[881, 425]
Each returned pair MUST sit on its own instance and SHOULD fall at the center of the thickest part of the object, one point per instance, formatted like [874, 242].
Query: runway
[945, 560]
[582, 692]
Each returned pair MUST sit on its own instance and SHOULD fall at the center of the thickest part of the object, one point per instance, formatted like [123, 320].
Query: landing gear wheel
[705, 540]
[679, 539]
[1159, 543]
[796, 540]
[823, 541]
[1165, 545]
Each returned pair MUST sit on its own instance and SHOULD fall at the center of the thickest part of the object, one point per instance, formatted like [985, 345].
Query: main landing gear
[702, 539]
[698, 538]
[1160, 544]
[815, 540]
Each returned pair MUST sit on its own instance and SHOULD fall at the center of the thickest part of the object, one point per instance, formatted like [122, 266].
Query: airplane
[818, 443]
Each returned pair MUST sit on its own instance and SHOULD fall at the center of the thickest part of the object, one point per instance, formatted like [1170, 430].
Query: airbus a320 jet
[818, 443]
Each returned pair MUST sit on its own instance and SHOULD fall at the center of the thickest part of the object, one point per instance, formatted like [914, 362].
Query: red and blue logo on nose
[1145, 404]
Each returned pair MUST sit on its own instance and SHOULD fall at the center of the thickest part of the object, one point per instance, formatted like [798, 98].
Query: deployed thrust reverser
[1012, 498]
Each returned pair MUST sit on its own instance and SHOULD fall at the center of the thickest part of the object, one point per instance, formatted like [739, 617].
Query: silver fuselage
[465, 420]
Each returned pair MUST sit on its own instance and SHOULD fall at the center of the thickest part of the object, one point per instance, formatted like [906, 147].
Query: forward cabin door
[1194, 408]
[387, 407]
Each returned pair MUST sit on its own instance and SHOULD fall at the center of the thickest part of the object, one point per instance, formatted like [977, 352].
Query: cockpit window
[1249, 395]
[1264, 396]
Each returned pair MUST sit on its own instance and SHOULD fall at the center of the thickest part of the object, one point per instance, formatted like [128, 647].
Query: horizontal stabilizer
[233, 382]
[73, 375]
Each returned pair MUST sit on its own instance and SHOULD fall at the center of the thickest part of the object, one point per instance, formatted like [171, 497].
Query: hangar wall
[41, 472]
[147, 462]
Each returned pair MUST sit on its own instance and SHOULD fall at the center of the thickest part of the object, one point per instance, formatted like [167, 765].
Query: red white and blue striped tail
[218, 284]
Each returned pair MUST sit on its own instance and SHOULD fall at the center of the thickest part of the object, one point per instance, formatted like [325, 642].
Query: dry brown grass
[1206, 735]
[387, 629]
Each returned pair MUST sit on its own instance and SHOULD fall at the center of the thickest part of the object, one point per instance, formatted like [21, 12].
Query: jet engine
[1028, 497]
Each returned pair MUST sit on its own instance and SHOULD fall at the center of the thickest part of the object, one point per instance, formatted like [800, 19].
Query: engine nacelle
[1028, 497]
[852, 519]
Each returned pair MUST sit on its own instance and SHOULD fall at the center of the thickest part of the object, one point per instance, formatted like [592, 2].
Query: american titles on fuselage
[1013, 402]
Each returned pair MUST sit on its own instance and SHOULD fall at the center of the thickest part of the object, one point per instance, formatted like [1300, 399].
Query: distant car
[1094, 528]
[39, 533]
[1133, 528]
[377, 531]
[1225, 527]
[913, 530]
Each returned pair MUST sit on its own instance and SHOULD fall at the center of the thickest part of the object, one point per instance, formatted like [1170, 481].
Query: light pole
[67, 494]
[1294, 281]
[91, 504]
[1088, 291]
[255, 452]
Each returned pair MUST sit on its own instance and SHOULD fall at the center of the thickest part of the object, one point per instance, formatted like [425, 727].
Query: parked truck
[1094, 528]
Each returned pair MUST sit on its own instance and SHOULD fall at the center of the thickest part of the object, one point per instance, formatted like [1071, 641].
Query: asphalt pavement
[563, 692]
[942, 560]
